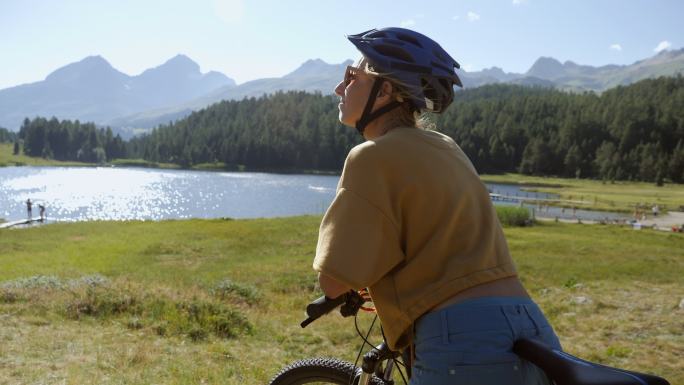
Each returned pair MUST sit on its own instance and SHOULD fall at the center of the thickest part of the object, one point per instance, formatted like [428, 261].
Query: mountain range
[92, 90]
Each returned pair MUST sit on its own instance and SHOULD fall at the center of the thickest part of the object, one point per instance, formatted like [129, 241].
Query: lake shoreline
[104, 193]
[156, 166]
[663, 222]
[622, 198]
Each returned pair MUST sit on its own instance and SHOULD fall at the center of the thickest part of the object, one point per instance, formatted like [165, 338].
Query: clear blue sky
[250, 39]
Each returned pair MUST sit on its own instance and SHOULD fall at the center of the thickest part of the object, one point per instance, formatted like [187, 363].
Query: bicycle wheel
[319, 371]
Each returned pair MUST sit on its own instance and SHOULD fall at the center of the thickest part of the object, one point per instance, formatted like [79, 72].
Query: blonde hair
[406, 115]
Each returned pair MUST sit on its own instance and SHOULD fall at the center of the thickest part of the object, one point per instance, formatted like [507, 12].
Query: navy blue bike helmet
[414, 61]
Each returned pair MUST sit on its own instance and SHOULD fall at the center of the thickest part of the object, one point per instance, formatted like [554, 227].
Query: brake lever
[352, 305]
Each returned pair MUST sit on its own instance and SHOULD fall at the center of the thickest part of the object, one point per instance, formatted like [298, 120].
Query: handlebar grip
[324, 305]
[306, 322]
[350, 301]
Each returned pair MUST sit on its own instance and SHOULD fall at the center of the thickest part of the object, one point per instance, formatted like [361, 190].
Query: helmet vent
[411, 67]
[395, 52]
[409, 39]
[440, 66]
[429, 92]
[445, 83]
[378, 34]
[440, 55]
[396, 42]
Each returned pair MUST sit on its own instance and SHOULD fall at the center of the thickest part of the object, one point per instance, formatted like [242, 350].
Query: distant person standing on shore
[29, 207]
[43, 217]
[655, 209]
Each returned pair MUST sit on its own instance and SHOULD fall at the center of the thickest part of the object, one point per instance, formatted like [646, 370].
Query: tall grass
[513, 216]
[196, 313]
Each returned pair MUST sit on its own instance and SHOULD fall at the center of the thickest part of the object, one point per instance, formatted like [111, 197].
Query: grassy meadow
[220, 301]
[617, 196]
[7, 158]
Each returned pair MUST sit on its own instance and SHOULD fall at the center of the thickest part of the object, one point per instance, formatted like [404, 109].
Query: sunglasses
[350, 74]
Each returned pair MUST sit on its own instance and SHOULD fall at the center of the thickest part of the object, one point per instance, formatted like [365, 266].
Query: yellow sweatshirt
[412, 222]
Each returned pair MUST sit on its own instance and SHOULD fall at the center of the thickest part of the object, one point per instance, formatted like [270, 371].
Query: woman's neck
[379, 127]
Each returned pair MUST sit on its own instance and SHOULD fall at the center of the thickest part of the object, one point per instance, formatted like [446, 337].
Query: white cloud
[230, 11]
[519, 2]
[408, 23]
[662, 45]
[615, 47]
[472, 16]
[456, 17]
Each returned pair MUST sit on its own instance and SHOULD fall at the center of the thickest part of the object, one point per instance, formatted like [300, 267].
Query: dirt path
[661, 222]
[665, 221]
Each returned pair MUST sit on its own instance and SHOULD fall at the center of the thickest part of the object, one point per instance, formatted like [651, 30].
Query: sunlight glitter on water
[100, 193]
[77, 194]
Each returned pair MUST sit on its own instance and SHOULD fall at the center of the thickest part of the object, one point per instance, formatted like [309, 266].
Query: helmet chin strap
[367, 116]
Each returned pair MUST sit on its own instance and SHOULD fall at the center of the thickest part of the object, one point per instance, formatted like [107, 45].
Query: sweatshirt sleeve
[358, 242]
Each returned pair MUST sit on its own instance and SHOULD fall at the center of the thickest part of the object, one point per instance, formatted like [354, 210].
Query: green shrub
[197, 334]
[571, 283]
[513, 216]
[9, 296]
[196, 317]
[134, 323]
[227, 289]
[618, 351]
[103, 303]
[52, 282]
[34, 282]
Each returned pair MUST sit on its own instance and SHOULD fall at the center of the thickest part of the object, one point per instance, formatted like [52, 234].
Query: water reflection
[76, 194]
[105, 193]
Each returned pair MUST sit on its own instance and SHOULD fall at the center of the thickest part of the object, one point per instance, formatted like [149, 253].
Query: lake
[108, 193]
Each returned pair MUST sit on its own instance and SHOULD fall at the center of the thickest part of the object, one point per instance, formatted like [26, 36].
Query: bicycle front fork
[372, 365]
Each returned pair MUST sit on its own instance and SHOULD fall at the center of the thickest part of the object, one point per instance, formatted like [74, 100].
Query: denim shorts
[471, 343]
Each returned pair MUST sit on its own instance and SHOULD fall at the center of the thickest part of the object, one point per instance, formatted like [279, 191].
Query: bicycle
[380, 362]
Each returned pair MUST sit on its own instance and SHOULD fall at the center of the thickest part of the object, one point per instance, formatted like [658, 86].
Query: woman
[413, 222]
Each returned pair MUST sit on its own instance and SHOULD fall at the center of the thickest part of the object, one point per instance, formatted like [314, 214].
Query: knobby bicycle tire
[321, 370]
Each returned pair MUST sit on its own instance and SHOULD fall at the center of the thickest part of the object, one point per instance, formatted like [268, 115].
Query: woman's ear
[385, 92]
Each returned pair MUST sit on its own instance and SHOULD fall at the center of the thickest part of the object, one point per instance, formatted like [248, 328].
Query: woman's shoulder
[416, 138]
[398, 143]
[363, 152]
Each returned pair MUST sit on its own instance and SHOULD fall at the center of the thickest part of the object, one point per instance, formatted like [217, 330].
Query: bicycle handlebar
[350, 301]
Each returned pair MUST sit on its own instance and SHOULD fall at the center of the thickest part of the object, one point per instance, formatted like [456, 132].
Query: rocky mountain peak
[310, 67]
[87, 68]
[179, 65]
[546, 68]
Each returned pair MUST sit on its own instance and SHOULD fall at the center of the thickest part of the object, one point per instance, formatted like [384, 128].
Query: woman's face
[353, 91]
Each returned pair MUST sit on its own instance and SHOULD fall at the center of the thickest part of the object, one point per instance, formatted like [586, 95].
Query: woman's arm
[331, 287]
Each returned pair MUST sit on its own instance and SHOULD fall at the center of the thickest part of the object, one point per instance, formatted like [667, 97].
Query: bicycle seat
[565, 369]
